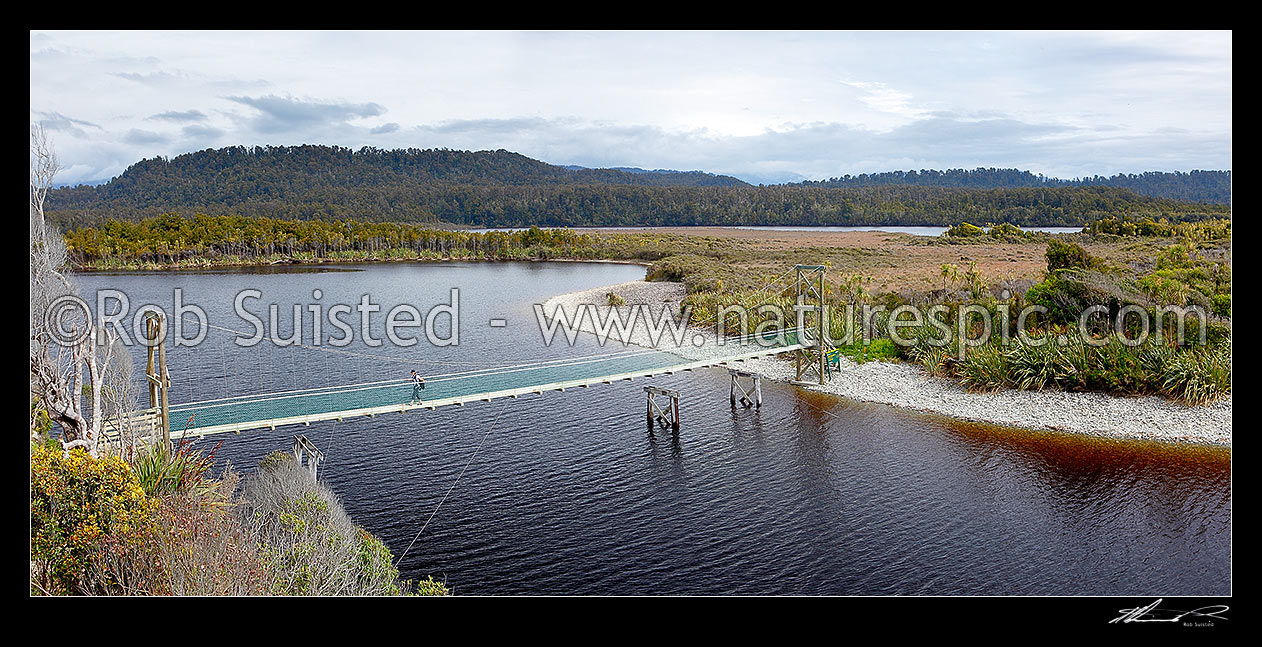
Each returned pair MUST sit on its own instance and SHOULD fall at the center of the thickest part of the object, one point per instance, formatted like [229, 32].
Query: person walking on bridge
[418, 383]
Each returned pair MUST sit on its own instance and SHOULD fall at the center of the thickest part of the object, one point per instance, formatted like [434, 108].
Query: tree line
[504, 189]
[1195, 186]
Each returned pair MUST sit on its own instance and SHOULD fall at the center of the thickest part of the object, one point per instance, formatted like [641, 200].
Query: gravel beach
[901, 385]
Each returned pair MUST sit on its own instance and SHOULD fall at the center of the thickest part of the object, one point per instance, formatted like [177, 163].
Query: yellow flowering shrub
[90, 519]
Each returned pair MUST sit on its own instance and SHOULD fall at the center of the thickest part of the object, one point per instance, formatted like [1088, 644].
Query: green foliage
[936, 361]
[376, 564]
[1212, 229]
[1199, 186]
[965, 230]
[1063, 298]
[1005, 231]
[429, 586]
[1064, 255]
[1199, 375]
[985, 368]
[1035, 367]
[39, 420]
[615, 300]
[877, 350]
[162, 473]
[1221, 305]
[697, 273]
[275, 459]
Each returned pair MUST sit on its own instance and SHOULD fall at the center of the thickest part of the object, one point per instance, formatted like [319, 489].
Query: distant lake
[914, 231]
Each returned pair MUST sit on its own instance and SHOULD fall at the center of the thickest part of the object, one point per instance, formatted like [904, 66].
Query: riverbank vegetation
[157, 524]
[1187, 288]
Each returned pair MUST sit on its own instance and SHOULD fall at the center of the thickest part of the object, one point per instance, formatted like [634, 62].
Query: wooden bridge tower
[812, 315]
[157, 376]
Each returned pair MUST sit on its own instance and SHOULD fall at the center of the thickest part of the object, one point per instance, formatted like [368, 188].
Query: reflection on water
[573, 494]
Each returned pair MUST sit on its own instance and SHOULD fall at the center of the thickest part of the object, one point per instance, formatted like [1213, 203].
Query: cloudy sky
[765, 107]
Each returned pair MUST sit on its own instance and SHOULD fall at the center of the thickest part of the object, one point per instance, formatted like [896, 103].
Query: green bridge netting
[252, 411]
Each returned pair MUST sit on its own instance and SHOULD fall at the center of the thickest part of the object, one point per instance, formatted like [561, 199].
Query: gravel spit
[901, 385]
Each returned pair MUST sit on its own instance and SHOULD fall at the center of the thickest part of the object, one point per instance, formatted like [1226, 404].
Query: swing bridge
[236, 414]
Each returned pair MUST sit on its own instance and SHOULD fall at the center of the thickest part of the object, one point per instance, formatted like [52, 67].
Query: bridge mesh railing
[243, 410]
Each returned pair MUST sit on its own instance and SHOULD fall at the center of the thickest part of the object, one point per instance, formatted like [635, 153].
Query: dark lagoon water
[573, 494]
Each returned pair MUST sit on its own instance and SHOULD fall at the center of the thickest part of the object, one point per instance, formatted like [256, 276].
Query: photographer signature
[1151, 613]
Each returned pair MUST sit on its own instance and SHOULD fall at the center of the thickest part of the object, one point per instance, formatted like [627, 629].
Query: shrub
[1199, 375]
[307, 543]
[1006, 231]
[965, 230]
[1220, 304]
[90, 521]
[205, 548]
[937, 361]
[985, 368]
[1035, 367]
[430, 586]
[615, 300]
[1062, 255]
[41, 423]
[1064, 299]
[161, 472]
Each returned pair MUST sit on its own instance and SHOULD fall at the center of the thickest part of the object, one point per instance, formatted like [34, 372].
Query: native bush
[1062, 255]
[429, 586]
[877, 349]
[937, 361]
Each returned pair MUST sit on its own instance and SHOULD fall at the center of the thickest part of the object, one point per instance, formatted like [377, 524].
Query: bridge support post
[812, 319]
[667, 417]
[304, 448]
[747, 398]
[158, 377]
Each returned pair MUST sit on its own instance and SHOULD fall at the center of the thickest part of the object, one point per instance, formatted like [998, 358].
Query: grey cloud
[202, 132]
[385, 129]
[150, 78]
[822, 150]
[288, 114]
[59, 122]
[144, 137]
[174, 115]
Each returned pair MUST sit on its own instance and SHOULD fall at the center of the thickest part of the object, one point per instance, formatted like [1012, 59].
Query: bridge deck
[272, 410]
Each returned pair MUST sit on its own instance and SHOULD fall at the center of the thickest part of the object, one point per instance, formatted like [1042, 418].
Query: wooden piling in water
[668, 417]
[747, 399]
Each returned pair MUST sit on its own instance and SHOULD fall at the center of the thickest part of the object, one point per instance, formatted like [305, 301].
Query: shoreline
[1147, 418]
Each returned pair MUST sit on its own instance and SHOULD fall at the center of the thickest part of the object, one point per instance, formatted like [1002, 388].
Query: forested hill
[240, 174]
[1196, 186]
[504, 189]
